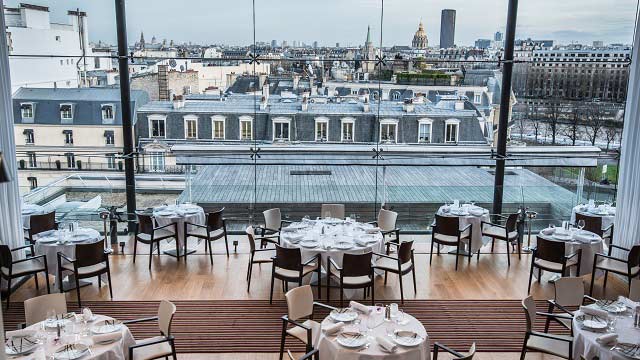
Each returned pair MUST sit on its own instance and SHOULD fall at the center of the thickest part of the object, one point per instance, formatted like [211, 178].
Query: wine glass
[581, 224]
[371, 322]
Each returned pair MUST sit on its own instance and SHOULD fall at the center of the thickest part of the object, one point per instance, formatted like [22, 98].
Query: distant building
[274, 43]
[165, 83]
[337, 44]
[285, 44]
[315, 44]
[483, 43]
[368, 55]
[498, 36]
[598, 44]
[447, 28]
[420, 40]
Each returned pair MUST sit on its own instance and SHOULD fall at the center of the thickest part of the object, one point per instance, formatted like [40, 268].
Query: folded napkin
[476, 212]
[607, 338]
[584, 237]
[628, 302]
[333, 328]
[373, 230]
[359, 307]
[103, 338]
[594, 312]
[87, 314]
[386, 344]
[20, 333]
[548, 231]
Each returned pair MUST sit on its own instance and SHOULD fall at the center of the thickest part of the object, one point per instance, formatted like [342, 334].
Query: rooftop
[71, 94]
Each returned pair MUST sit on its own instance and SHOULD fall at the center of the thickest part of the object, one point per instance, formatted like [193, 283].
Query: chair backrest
[332, 210]
[387, 219]
[272, 218]
[634, 292]
[214, 220]
[145, 223]
[404, 251]
[550, 250]
[529, 306]
[569, 291]
[591, 223]
[288, 258]
[166, 310]
[447, 225]
[90, 254]
[634, 256]
[6, 258]
[251, 237]
[42, 223]
[299, 302]
[470, 354]
[356, 264]
[512, 222]
[36, 309]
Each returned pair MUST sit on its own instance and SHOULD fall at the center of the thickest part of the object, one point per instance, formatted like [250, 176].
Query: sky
[345, 21]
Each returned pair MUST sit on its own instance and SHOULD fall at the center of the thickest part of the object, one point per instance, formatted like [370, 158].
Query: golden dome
[420, 40]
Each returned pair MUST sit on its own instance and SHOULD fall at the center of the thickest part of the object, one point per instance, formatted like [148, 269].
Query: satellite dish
[172, 63]
[181, 67]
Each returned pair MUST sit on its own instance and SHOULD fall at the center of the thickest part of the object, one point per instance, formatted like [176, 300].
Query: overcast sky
[345, 21]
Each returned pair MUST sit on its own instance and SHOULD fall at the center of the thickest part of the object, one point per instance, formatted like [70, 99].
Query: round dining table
[469, 215]
[590, 244]
[27, 211]
[75, 331]
[585, 342]
[179, 214]
[330, 349]
[607, 213]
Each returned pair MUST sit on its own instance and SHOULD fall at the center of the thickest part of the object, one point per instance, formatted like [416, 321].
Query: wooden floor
[196, 279]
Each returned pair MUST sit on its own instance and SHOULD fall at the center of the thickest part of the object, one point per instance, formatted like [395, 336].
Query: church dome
[420, 40]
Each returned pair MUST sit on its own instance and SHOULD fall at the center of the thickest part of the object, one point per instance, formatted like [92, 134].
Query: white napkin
[628, 302]
[359, 307]
[594, 312]
[87, 314]
[607, 338]
[386, 344]
[373, 230]
[103, 338]
[333, 328]
[548, 231]
[583, 237]
[20, 333]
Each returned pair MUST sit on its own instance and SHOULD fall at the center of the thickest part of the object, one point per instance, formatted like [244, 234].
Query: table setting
[606, 211]
[576, 238]
[372, 332]
[608, 330]
[468, 213]
[71, 336]
[179, 213]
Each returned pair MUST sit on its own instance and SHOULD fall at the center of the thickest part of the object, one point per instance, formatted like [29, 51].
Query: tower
[368, 54]
[420, 40]
[447, 28]
[141, 40]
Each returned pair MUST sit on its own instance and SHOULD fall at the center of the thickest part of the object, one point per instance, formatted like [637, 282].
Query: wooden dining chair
[386, 221]
[634, 290]
[594, 225]
[272, 223]
[150, 234]
[446, 231]
[39, 224]
[507, 233]
[628, 268]
[553, 344]
[299, 322]
[549, 255]
[91, 260]
[16, 269]
[400, 265]
[356, 272]
[568, 294]
[289, 267]
[258, 256]
[36, 309]
[332, 210]
[437, 347]
[156, 347]
[214, 229]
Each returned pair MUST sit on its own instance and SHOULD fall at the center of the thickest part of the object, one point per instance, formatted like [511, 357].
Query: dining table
[97, 338]
[179, 214]
[370, 336]
[588, 242]
[606, 212]
[469, 214]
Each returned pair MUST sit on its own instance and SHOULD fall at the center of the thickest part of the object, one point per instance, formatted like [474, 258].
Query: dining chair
[446, 231]
[553, 344]
[386, 221]
[272, 223]
[594, 225]
[150, 234]
[634, 290]
[258, 256]
[91, 260]
[215, 229]
[629, 267]
[507, 233]
[332, 210]
[311, 355]
[15, 269]
[157, 346]
[400, 265]
[568, 293]
[458, 356]
[300, 310]
[289, 267]
[36, 309]
[39, 224]
[549, 255]
[356, 272]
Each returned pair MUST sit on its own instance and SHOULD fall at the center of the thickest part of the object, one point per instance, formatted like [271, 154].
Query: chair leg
[431, 253]
[493, 243]
[211, 252]
[539, 275]
[385, 278]
[283, 338]
[401, 288]
[271, 293]
[78, 290]
[250, 268]
[413, 271]
[109, 281]
[226, 243]
[46, 278]
[341, 294]
[373, 285]
[593, 278]
[151, 254]
[320, 282]
[8, 292]
[35, 278]
[604, 285]
[99, 281]
[548, 321]
[519, 245]
[135, 248]
[508, 254]
[457, 256]
[530, 279]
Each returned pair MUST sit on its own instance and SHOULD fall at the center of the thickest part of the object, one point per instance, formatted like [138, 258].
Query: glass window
[26, 111]
[71, 160]
[66, 112]
[347, 131]
[156, 127]
[107, 112]
[191, 128]
[32, 159]
[28, 136]
[111, 161]
[218, 129]
[156, 161]
[424, 132]
[451, 132]
[246, 133]
[281, 131]
[68, 137]
[388, 132]
[109, 137]
[322, 130]
[33, 182]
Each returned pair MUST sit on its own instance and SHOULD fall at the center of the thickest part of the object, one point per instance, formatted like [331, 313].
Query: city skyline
[610, 21]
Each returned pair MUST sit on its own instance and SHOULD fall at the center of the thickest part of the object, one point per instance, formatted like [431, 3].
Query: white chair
[386, 221]
[36, 309]
[272, 223]
[569, 292]
[157, 346]
[558, 345]
[634, 292]
[300, 308]
[458, 356]
[332, 211]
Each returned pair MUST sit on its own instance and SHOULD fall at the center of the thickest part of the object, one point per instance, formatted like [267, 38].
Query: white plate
[563, 237]
[106, 327]
[20, 345]
[613, 307]
[352, 340]
[406, 338]
[47, 240]
[165, 213]
[631, 351]
[309, 244]
[80, 237]
[343, 315]
[293, 237]
[71, 352]
[592, 322]
[342, 245]
[61, 319]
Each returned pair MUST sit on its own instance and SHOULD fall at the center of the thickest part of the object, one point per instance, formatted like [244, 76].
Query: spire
[368, 35]
[141, 37]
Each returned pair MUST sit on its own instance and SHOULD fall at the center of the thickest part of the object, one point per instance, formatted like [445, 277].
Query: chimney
[305, 103]
[178, 102]
[365, 104]
[263, 102]
[408, 106]
[296, 81]
[459, 104]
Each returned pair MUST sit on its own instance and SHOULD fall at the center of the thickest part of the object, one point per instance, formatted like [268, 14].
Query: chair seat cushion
[448, 239]
[498, 232]
[152, 351]
[202, 232]
[617, 266]
[351, 280]
[554, 266]
[263, 256]
[87, 269]
[24, 267]
[158, 234]
[550, 346]
[391, 264]
[294, 274]
[301, 334]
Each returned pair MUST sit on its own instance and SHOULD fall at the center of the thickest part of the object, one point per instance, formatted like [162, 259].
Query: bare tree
[595, 121]
[611, 133]
[570, 130]
[554, 114]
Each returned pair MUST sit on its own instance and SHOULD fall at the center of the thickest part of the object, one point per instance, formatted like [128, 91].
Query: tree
[555, 112]
[570, 130]
[595, 121]
[611, 133]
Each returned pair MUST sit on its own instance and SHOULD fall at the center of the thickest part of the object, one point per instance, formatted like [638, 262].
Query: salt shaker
[387, 313]
[636, 317]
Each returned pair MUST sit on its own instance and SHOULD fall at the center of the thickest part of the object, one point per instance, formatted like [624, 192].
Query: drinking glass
[389, 328]
[581, 224]
[371, 322]
[611, 322]
[401, 318]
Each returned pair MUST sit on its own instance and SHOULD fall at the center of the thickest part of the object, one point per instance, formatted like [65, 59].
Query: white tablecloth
[585, 344]
[475, 221]
[51, 242]
[589, 249]
[118, 350]
[179, 214]
[330, 350]
[608, 215]
[27, 211]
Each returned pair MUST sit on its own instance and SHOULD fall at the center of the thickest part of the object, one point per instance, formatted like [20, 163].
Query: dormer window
[66, 112]
[26, 110]
[107, 112]
[68, 137]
